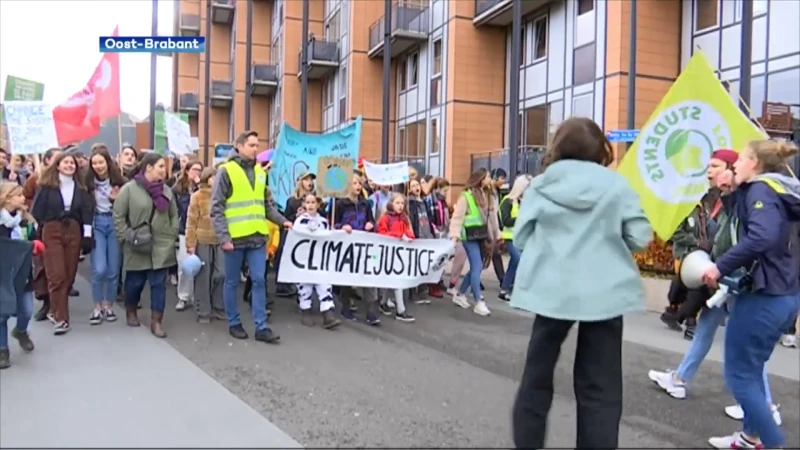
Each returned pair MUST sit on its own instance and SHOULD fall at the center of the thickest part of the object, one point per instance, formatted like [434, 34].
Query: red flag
[79, 116]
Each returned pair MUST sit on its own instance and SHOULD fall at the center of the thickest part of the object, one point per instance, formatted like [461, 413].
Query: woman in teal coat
[578, 227]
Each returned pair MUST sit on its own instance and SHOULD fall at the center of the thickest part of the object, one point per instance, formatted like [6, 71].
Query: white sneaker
[481, 309]
[735, 412]
[667, 382]
[390, 303]
[736, 440]
[452, 290]
[173, 280]
[460, 300]
[789, 341]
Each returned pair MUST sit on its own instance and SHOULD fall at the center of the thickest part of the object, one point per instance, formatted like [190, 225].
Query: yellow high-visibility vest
[244, 209]
[508, 232]
[473, 217]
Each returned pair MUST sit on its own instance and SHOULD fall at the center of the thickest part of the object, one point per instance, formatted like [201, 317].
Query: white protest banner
[179, 135]
[387, 174]
[362, 259]
[31, 129]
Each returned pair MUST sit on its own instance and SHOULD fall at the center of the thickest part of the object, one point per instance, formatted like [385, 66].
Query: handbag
[478, 233]
[140, 237]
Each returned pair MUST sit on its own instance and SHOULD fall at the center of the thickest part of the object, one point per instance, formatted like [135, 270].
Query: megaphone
[696, 263]
[693, 267]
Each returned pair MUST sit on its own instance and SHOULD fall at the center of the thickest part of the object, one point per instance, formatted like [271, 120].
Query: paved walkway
[119, 388]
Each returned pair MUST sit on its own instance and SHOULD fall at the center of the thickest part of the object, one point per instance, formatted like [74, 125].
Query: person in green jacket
[696, 232]
[146, 201]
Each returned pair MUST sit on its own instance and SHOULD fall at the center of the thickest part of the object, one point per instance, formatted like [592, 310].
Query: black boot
[266, 335]
[691, 324]
[329, 320]
[237, 331]
[41, 314]
[74, 292]
[670, 318]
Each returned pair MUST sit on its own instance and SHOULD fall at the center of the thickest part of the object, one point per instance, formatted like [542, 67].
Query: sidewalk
[117, 386]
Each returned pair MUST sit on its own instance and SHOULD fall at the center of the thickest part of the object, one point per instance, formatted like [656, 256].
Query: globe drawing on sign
[686, 150]
[335, 178]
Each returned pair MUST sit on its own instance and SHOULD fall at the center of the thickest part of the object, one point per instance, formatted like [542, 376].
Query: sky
[56, 43]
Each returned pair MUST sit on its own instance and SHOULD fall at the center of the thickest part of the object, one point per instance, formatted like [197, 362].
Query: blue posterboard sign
[622, 135]
[221, 152]
[298, 152]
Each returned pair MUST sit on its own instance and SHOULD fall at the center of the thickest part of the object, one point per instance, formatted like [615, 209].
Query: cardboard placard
[333, 176]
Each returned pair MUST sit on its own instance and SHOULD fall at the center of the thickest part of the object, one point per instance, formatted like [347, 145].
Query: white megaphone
[693, 267]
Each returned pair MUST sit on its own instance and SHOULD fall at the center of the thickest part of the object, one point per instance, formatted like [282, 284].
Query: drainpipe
[248, 56]
[745, 66]
[513, 91]
[207, 87]
[176, 11]
[304, 70]
[387, 67]
[153, 74]
[631, 122]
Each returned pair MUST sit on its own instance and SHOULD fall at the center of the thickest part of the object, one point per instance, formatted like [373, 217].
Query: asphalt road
[447, 380]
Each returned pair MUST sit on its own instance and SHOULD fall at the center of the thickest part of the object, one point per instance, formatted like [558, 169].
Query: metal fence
[529, 160]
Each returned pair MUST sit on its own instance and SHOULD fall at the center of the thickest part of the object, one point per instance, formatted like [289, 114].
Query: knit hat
[725, 155]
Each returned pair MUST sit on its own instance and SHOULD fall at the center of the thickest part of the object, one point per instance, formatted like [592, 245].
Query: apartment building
[450, 70]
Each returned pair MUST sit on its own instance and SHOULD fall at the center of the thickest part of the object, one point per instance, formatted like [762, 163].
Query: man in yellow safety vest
[241, 204]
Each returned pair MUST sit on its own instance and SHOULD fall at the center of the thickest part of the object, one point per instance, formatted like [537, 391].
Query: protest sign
[20, 89]
[31, 129]
[387, 174]
[298, 152]
[333, 176]
[179, 135]
[221, 152]
[160, 133]
[362, 259]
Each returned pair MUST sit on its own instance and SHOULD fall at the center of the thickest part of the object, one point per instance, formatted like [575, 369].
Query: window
[583, 65]
[536, 126]
[400, 149]
[437, 57]
[343, 95]
[329, 96]
[412, 140]
[436, 90]
[582, 106]
[434, 135]
[523, 48]
[401, 72]
[332, 28]
[324, 93]
[555, 115]
[706, 14]
[759, 7]
[540, 38]
[756, 104]
[782, 87]
[585, 6]
[413, 70]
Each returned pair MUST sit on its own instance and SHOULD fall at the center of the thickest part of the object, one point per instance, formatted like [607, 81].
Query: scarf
[12, 223]
[156, 191]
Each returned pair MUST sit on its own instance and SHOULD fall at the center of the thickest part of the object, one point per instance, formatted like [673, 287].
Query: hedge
[656, 258]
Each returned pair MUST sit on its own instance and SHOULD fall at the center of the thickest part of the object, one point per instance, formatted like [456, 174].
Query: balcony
[188, 104]
[409, 27]
[222, 11]
[497, 13]
[323, 58]
[264, 79]
[190, 25]
[221, 93]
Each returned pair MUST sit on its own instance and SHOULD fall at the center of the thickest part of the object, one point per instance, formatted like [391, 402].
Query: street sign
[622, 135]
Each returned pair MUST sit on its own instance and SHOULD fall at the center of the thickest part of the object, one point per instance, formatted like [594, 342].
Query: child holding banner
[420, 216]
[310, 221]
[355, 213]
[395, 223]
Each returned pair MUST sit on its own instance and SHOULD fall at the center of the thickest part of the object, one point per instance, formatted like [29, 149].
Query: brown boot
[132, 316]
[155, 324]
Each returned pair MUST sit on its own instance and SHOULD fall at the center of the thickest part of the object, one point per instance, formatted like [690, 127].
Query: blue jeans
[105, 259]
[473, 278]
[756, 322]
[24, 312]
[707, 324]
[257, 262]
[134, 285]
[511, 270]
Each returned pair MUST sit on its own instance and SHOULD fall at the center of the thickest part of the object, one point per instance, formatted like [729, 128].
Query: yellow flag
[667, 163]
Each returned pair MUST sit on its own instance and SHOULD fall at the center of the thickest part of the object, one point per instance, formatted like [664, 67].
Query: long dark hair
[115, 177]
[147, 159]
[475, 185]
[49, 177]
[183, 185]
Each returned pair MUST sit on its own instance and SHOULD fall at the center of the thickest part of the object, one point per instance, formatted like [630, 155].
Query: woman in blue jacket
[766, 204]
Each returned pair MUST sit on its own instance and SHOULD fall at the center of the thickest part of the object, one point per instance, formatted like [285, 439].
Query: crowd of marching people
[207, 230]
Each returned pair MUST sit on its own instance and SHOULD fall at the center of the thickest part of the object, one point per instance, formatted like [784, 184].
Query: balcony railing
[407, 21]
[221, 93]
[264, 79]
[190, 25]
[188, 103]
[481, 6]
[323, 58]
[222, 11]
[529, 160]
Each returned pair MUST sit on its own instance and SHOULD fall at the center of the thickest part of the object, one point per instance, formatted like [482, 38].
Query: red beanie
[725, 155]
